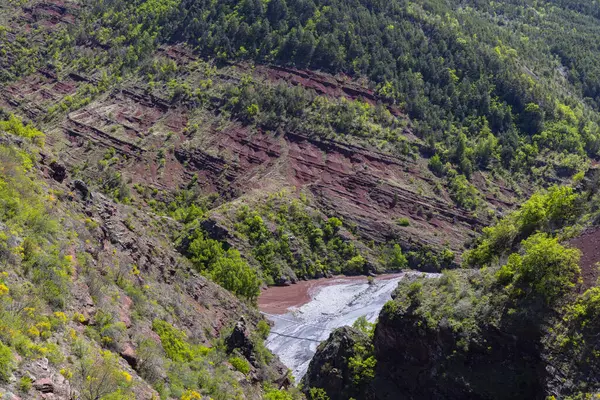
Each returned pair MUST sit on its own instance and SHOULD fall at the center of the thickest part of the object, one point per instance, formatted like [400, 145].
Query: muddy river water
[304, 314]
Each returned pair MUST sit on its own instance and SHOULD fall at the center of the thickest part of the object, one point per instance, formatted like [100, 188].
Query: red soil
[279, 299]
[589, 244]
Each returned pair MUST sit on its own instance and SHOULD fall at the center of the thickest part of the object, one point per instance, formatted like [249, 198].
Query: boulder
[58, 172]
[240, 340]
[44, 385]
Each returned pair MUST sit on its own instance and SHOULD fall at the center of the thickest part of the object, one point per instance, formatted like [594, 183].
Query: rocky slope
[329, 368]
[162, 160]
[125, 275]
[521, 326]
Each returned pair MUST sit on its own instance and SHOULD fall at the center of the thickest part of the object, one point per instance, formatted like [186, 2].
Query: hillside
[521, 324]
[162, 160]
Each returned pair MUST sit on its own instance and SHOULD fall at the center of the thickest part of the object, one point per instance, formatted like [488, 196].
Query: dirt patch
[589, 244]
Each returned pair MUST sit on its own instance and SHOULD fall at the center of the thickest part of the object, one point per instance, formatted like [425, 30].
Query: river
[304, 314]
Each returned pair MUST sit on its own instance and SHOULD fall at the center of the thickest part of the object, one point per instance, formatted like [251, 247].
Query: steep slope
[260, 142]
[95, 301]
[521, 325]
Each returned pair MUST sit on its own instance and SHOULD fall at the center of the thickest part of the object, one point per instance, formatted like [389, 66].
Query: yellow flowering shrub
[191, 395]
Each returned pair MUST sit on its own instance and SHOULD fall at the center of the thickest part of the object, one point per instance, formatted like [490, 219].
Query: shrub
[393, 258]
[362, 364]
[191, 395]
[173, 341]
[462, 192]
[263, 328]
[436, 166]
[317, 394]
[403, 221]
[274, 394]
[545, 211]
[587, 308]
[150, 360]
[235, 275]
[203, 251]
[364, 326]
[6, 362]
[25, 384]
[16, 127]
[356, 264]
[100, 377]
[240, 364]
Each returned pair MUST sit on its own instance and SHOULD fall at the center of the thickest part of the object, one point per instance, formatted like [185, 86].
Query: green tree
[356, 264]
[545, 267]
[203, 252]
[364, 326]
[393, 258]
[235, 275]
[317, 394]
[436, 166]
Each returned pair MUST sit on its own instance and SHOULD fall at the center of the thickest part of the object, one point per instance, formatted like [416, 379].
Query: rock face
[240, 340]
[329, 367]
[419, 363]
[426, 352]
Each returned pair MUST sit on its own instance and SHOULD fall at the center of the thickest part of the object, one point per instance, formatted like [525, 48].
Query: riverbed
[304, 314]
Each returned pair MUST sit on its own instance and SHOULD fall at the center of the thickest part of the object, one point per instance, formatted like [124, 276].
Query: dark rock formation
[82, 188]
[59, 172]
[240, 340]
[329, 367]
[420, 363]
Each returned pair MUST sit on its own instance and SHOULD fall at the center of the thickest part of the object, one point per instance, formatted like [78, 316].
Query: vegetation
[362, 363]
[40, 265]
[304, 244]
[240, 364]
[546, 268]
[545, 211]
[227, 268]
[477, 81]
[489, 95]
[6, 362]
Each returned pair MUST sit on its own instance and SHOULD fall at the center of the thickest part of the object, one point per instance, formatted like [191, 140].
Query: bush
[263, 328]
[203, 252]
[403, 221]
[240, 364]
[393, 259]
[363, 325]
[546, 267]
[25, 384]
[356, 264]
[6, 362]
[16, 127]
[173, 341]
[100, 377]
[463, 193]
[274, 394]
[544, 211]
[317, 394]
[436, 166]
[362, 364]
[191, 395]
